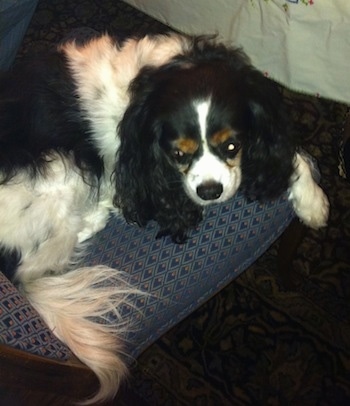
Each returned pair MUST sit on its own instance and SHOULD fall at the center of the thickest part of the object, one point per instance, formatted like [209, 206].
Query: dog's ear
[133, 157]
[148, 187]
[268, 150]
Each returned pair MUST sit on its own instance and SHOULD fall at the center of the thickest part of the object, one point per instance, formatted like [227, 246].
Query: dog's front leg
[309, 201]
[94, 221]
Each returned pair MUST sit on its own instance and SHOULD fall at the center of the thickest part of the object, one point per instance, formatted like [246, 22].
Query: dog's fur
[154, 128]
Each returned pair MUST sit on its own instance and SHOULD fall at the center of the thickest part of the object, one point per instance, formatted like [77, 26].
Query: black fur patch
[9, 261]
[39, 113]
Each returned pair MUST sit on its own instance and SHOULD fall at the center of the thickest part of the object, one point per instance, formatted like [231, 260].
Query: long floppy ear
[132, 171]
[268, 150]
[148, 187]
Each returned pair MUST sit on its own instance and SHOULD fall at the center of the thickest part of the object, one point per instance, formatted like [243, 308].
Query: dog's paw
[311, 205]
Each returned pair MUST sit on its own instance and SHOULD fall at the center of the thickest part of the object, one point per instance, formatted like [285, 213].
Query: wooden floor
[10, 397]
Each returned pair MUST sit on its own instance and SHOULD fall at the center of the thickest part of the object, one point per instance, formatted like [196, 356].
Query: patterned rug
[256, 342]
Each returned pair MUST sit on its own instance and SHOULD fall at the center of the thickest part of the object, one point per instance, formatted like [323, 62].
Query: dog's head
[196, 130]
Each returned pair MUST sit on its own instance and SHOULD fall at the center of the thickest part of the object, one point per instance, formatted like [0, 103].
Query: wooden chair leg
[23, 371]
[289, 243]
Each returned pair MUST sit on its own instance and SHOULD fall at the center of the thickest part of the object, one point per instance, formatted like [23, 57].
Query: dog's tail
[77, 306]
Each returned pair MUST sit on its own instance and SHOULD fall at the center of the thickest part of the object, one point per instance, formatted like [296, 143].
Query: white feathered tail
[74, 306]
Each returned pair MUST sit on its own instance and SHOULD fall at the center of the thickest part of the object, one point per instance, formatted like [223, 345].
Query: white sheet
[303, 44]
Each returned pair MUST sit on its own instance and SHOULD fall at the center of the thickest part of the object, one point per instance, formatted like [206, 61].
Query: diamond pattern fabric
[177, 277]
[22, 328]
[180, 277]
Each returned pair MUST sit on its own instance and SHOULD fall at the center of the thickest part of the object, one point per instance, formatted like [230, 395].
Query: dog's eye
[181, 157]
[230, 148]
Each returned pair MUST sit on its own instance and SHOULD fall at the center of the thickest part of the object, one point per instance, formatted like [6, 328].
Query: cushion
[180, 277]
[22, 328]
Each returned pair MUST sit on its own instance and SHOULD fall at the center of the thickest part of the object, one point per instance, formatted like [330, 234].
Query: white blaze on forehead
[202, 108]
[208, 167]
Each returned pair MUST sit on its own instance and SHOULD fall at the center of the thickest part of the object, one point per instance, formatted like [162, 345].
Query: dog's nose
[210, 190]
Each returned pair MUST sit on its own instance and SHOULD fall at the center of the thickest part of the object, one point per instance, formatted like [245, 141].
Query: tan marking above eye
[221, 136]
[186, 145]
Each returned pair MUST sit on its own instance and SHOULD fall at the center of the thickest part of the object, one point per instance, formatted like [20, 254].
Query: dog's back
[40, 113]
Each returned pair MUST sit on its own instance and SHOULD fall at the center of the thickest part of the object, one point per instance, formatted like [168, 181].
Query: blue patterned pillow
[22, 328]
[181, 277]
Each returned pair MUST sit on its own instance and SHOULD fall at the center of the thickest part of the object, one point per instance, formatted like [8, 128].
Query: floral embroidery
[285, 5]
[305, 2]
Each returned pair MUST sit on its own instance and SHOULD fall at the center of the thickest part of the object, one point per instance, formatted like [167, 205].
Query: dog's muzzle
[210, 190]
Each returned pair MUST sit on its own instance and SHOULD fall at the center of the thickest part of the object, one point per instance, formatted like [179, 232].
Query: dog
[149, 128]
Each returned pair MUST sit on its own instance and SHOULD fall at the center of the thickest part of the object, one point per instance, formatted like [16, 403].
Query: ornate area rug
[256, 342]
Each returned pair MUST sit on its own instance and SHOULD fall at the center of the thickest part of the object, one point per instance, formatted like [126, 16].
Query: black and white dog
[151, 128]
